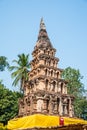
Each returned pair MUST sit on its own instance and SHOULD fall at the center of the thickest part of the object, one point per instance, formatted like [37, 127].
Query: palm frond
[21, 69]
[13, 68]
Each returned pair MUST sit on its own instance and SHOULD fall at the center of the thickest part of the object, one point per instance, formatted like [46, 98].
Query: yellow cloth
[37, 120]
[68, 121]
[40, 121]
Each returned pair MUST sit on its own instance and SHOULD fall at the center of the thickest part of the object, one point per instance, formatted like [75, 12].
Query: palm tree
[21, 70]
[3, 63]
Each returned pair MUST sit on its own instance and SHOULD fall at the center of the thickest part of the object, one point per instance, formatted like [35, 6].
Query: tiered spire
[43, 38]
[42, 25]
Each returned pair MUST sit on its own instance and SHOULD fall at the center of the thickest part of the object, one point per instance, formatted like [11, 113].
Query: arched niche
[57, 74]
[68, 106]
[51, 72]
[46, 71]
[47, 82]
[49, 62]
[44, 51]
[45, 61]
[47, 105]
[54, 63]
[52, 53]
[54, 85]
[58, 103]
[61, 87]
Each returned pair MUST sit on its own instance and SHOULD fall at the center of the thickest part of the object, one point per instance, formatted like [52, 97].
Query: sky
[66, 25]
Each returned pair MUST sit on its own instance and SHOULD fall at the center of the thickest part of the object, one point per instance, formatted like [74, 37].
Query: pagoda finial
[42, 25]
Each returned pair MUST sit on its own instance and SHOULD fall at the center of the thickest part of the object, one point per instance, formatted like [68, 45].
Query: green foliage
[2, 127]
[8, 104]
[83, 107]
[3, 63]
[21, 69]
[76, 88]
[9, 99]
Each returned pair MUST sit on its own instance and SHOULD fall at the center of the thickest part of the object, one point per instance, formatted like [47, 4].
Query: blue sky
[66, 24]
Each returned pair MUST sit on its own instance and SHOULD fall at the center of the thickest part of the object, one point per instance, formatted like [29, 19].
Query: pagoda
[45, 92]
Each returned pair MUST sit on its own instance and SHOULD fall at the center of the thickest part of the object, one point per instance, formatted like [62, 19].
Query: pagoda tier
[45, 71]
[44, 59]
[45, 92]
[46, 102]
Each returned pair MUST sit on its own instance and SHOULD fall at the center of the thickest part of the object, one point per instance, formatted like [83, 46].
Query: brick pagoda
[45, 92]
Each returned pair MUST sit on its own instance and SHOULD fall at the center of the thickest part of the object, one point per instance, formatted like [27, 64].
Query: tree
[75, 87]
[81, 108]
[8, 104]
[3, 63]
[21, 70]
